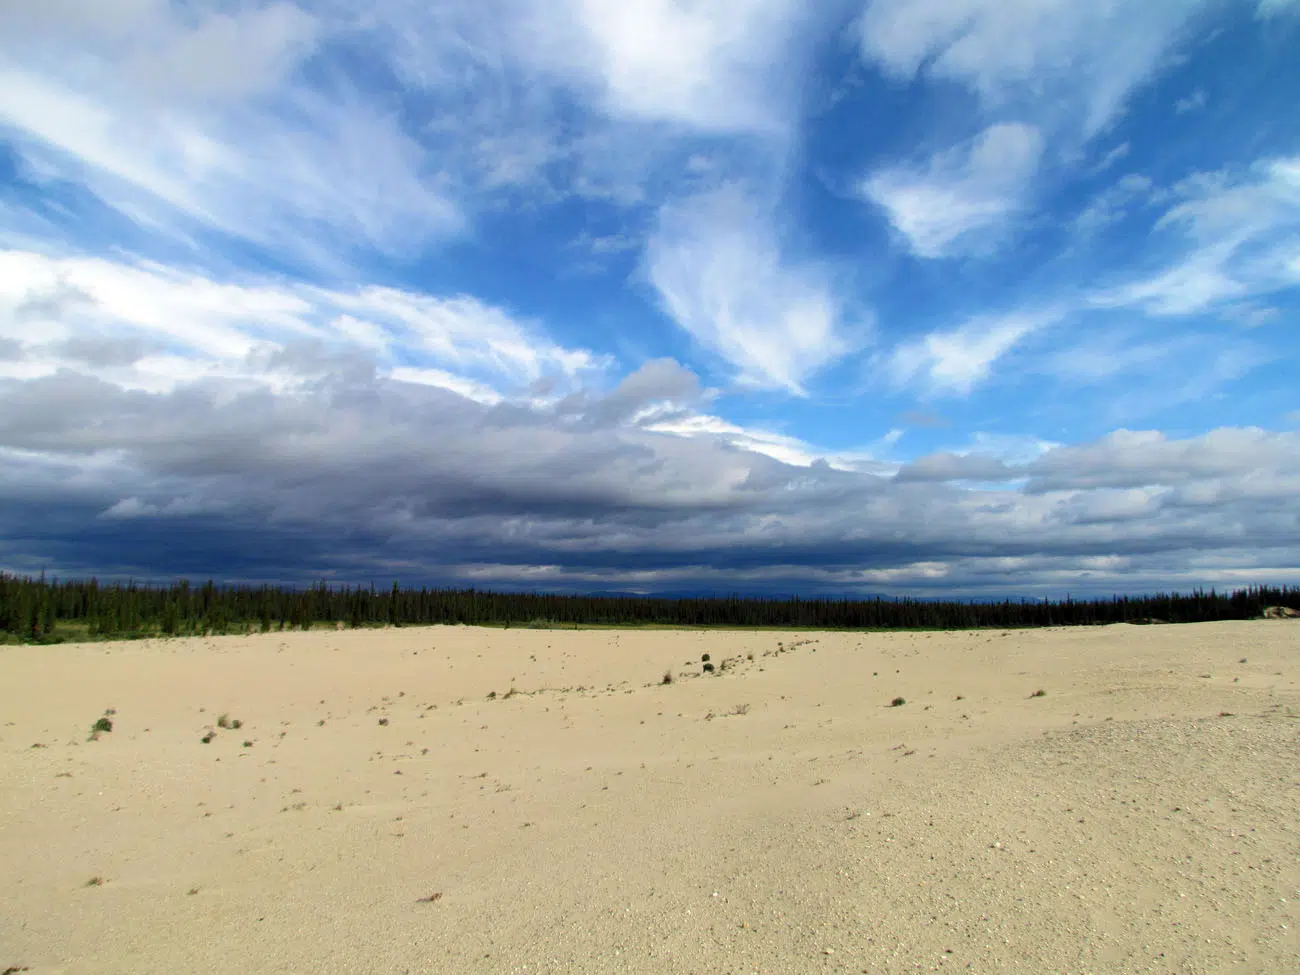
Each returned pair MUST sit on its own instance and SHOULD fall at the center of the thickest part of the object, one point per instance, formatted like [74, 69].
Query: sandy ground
[387, 816]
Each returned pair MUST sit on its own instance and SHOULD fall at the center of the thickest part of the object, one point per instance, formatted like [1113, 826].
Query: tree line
[36, 609]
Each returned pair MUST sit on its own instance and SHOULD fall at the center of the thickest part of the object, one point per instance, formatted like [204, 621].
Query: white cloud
[440, 378]
[244, 121]
[959, 201]
[1145, 458]
[1073, 63]
[1112, 157]
[1112, 205]
[237, 329]
[712, 64]
[1237, 236]
[1194, 102]
[1274, 8]
[718, 267]
[318, 174]
[954, 362]
[463, 332]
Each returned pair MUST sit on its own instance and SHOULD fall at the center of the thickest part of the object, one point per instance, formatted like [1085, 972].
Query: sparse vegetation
[431, 898]
[740, 709]
[248, 744]
[104, 724]
[898, 702]
[207, 738]
[383, 722]
[95, 882]
[1039, 693]
[668, 677]
[224, 722]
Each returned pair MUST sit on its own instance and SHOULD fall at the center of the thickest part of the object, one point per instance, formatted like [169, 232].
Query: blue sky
[869, 296]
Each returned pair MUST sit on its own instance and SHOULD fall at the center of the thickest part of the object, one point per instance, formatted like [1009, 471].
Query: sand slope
[777, 817]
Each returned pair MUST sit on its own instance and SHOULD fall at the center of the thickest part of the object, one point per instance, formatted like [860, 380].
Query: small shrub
[95, 882]
[668, 677]
[223, 721]
[207, 739]
[740, 709]
[248, 744]
[492, 695]
[103, 724]
[898, 702]
[708, 668]
[236, 724]
[383, 722]
[1039, 693]
[705, 658]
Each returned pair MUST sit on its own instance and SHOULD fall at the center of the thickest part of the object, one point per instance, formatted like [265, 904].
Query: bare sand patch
[474, 800]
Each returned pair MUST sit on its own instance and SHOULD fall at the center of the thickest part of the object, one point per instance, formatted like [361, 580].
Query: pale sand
[1118, 824]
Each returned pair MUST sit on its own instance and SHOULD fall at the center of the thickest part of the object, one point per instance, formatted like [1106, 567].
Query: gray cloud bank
[352, 476]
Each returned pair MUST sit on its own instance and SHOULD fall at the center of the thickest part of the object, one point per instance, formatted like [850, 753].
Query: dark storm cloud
[355, 477]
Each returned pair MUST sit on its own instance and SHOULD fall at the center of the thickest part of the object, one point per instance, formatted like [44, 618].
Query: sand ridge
[399, 809]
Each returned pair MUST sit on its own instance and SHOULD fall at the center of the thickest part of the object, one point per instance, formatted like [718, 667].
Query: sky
[973, 298]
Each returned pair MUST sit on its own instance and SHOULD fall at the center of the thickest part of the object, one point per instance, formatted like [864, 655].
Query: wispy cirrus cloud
[169, 325]
[954, 361]
[1066, 64]
[1045, 77]
[712, 65]
[717, 265]
[1234, 232]
[960, 200]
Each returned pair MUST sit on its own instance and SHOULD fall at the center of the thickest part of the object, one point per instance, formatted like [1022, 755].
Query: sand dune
[389, 816]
